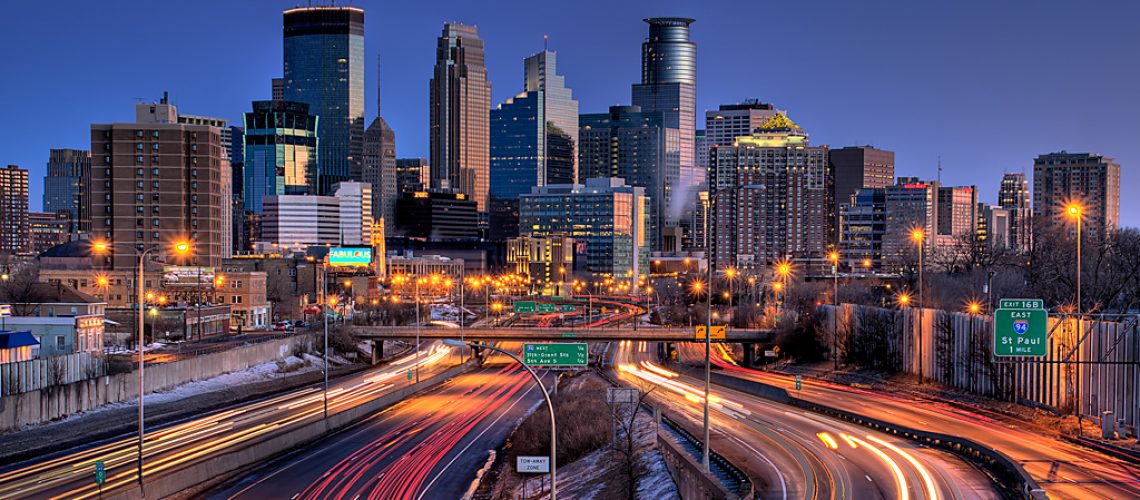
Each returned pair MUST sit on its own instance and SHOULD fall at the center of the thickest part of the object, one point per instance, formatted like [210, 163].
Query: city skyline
[1013, 114]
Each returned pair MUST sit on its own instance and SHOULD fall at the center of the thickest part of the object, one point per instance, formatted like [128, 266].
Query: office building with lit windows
[281, 152]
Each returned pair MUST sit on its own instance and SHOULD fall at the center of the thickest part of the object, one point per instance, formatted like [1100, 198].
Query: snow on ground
[257, 373]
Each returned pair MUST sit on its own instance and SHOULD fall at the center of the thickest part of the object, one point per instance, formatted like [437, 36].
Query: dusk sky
[988, 85]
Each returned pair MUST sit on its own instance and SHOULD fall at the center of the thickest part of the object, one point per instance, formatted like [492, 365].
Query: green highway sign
[100, 472]
[1021, 328]
[566, 308]
[565, 354]
[546, 308]
[557, 297]
[799, 382]
[1021, 304]
[525, 307]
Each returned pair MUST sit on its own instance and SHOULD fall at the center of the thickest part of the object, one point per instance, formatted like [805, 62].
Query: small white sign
[769, 354]
[532, 465]
[5, 310]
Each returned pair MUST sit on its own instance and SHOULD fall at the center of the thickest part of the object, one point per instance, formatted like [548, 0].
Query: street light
[1076, 212]
[549, 407]
[919, 237]
[181, 248]
[833, 256]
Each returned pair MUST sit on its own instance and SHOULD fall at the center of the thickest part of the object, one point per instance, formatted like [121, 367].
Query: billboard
[350, 256]
[187, 276]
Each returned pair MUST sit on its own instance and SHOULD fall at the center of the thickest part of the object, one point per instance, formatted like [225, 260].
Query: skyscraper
[324, 68]
[770, 197]
[380, 170]
[157, 181]
[460, 106]
[669, 86]
[730, 121]
[281, 151]
[1091, 180]
[863, 223]
[559, 112]
[13, 210]
[412, 175]
[636, 146]
[957, 212]
[240, 242]
[64, 184]
[911, 204]
[858, 167]
[534, 138]
[1014, 196]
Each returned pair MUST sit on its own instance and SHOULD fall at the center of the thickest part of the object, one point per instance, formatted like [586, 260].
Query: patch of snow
[312, 360]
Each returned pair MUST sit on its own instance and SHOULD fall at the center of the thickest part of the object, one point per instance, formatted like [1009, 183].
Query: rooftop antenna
[545, 38]
[939, 170]
[378, 85]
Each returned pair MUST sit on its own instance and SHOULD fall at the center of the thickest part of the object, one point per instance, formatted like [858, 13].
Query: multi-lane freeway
[183, 444]
[1063, 469]
[793, 453]
[429, 446]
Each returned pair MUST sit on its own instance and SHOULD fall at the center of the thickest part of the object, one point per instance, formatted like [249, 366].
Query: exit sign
[1021, 328]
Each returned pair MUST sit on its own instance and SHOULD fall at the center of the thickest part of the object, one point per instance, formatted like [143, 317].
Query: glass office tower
[281, 152]
[669, 86]
[63, 184]
[324, 68]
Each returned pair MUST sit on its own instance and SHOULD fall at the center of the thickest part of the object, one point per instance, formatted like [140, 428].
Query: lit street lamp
[918, 236]
[833, 256]
[181, 248]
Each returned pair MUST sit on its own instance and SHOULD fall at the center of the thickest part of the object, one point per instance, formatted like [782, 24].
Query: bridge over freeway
[554, 334]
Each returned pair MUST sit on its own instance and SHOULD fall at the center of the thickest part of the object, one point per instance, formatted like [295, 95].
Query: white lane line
[783, 483]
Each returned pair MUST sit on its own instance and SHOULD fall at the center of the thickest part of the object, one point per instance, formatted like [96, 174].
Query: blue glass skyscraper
[281, 152]
[324, 68]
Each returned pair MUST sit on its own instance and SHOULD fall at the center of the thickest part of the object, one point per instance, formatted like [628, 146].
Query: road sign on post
[566, 308]
[532, 465]
[525, 307]
[799, 382]
[1021, 328]
[546, 307]
[556, 354]
[718, 332]
[100, 472]
[5, 310]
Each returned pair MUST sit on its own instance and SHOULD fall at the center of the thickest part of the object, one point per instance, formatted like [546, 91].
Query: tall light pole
[549, 407]
[325, 307]
[833, 256]
[181, 248]
[918, 236]
[1077, 213]
[708, 350]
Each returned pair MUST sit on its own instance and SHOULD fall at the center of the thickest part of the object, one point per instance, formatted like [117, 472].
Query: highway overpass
[609, 334]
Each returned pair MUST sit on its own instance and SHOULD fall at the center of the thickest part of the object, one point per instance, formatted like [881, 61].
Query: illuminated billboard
[187, 276]
[350, 256]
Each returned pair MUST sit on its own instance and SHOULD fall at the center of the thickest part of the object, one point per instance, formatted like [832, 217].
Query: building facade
[993, 228]
[957, 212]
[379, 170]
[437, 216]
[770, 195]
[459, 108]
[605, 215]
[638, 147]
[157, 181]
[65, 185]
[412, 175]
[1090, 180]
[324, 68]
[13, 210]
[48, 229]
[280, 152]
[859, 167]
[297, 221]
[1014, 196]
[730, 121]
[863, 223]
[548, 261]
[911, 205]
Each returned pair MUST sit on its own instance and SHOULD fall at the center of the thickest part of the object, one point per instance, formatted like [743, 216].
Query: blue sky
[986, 85]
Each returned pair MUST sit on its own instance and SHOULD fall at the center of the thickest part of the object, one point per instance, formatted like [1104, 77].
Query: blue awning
[12, 340]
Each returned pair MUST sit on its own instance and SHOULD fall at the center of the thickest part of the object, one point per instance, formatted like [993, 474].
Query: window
[139, 146]
[154, 134]
[138, 171]
[60, 342]
[154, 210]
[138, 133]
[154, 171]
[138, 159]
[193, 172]
[107, 171]
[139, 197]
[139, 209]
[139, 184]
[107, 221]
[154, 147]
[155, 221]
[194, 185]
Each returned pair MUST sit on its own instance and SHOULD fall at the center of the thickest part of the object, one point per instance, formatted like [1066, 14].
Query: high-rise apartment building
[412, 175]
[957, 212]
[281, 152]
[669, 86]
[460, 106]
[608, 215]
[730, 121]
[859, 167]
[1090, 180]
[770, 197]
[638, 147]
[157, 181]
[1014, 196]
[862, 226]
[911, 205]
[13, 210]
[65, 184]
[324, 68]
[48, 229]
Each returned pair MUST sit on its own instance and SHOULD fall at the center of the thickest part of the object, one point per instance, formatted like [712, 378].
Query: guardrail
[682, 451]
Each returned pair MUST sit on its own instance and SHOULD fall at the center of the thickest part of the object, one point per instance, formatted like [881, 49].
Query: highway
[1064, 470]
[175, 446]
[429, 446]
[791, 453]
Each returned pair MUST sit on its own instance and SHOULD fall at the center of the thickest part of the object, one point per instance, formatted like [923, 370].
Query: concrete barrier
[55, 402]
[163, 485]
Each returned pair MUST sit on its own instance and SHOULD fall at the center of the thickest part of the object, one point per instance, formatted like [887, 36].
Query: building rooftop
[45, 293]
[13, 340]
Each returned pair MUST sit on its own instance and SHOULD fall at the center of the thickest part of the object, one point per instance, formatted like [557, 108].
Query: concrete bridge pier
[377, 351]
[749, 353]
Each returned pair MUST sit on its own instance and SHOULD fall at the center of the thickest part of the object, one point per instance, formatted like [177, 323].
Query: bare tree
[23, 290]
[626, 441]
